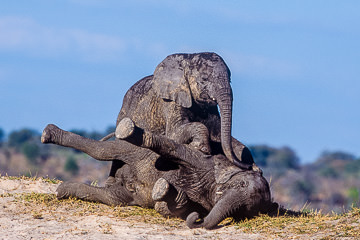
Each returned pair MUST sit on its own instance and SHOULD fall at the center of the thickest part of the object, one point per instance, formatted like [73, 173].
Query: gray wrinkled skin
[222, 189]
[213, 187]
[175, 140]
[181, 99]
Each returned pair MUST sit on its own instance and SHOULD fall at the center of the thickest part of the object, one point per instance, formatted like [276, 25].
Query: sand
[19, 220]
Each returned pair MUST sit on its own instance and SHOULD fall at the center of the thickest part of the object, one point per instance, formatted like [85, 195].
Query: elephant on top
[181, 99]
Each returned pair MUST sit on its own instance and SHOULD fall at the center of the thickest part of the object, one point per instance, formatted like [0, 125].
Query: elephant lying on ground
[181, 99]
[195, 184]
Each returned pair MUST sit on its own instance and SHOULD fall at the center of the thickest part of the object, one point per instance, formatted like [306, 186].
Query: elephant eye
[204, 95]
[131, 187]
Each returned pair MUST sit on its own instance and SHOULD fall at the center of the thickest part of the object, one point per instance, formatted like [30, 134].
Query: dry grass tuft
[313, 223]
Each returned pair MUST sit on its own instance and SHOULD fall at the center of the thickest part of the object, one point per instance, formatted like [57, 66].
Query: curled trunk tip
[194, 221]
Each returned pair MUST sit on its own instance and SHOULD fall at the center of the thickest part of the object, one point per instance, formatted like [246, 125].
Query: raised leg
[160, 144]
[104, 151]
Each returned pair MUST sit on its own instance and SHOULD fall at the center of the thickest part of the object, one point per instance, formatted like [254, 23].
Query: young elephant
[134, 180]
[209, 186]
[181, 101]
[217, 185]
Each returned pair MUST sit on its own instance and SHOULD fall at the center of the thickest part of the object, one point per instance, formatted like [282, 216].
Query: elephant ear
[170, 82]
[224, 170]
[226, 175]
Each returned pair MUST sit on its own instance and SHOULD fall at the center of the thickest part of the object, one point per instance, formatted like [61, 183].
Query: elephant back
[143, 106]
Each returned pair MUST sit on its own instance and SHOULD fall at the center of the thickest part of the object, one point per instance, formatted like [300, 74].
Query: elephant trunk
[223, 209]
[224, 100]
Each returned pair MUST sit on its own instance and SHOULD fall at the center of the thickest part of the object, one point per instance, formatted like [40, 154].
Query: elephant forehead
[238, 184]
[244, 179]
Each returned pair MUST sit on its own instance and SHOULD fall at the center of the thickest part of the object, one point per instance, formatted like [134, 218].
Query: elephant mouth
[205, 99]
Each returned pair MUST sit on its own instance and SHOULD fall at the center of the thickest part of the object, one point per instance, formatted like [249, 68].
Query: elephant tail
[107, 137]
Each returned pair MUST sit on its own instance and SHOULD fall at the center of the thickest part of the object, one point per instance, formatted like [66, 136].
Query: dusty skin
[29, 210]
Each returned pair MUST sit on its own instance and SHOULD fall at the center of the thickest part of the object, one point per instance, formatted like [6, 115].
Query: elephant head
[203, 78]
[238, 194]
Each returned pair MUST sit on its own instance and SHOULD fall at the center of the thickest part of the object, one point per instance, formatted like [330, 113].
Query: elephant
[213, 187]
[181, 99]
[223, 189]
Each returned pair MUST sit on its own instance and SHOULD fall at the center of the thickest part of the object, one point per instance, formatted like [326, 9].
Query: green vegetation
[353, 195]
[31, 150]
[2, 135]
[18, 138]
[282, 158]
[71, 165]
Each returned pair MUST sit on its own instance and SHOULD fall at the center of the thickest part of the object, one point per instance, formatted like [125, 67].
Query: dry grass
[335, 225]
[313, 225]
[39, 204]
[35, 178]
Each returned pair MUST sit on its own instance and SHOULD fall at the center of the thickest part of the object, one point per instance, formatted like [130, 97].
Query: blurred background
[295, 77]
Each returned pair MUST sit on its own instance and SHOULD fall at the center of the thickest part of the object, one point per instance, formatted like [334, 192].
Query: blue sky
[295, 64]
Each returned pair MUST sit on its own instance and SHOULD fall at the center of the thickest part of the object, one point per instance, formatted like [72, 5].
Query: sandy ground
[25, 215]
[18, 222]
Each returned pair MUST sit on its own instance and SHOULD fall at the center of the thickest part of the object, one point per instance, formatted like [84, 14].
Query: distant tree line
[27, 142]
[266, 156]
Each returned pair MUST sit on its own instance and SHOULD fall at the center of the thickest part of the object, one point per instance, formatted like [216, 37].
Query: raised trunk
[224, 100]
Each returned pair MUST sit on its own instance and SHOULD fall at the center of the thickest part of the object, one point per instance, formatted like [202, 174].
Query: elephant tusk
[220, 193]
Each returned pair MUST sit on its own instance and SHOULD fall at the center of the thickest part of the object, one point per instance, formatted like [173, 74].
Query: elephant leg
[171, 201]
[115, 165]
[116, 195]
[160, 144]
[162, 208]
[195, 134]
[163, 191]
[103, 151]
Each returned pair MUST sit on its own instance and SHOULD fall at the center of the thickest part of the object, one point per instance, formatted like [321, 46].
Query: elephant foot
[63, 190]
[51, 134]
[163, 190]
[125, 128]
[110, 181]
[160, 189]
[162, 208]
